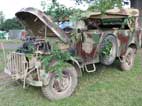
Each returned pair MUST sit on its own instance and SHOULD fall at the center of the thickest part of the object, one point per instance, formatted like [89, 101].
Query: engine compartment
[34, 45]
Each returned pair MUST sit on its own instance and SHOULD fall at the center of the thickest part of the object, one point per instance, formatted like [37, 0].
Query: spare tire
[108, 50]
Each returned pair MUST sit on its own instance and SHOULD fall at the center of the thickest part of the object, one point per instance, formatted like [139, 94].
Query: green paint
[96, 37]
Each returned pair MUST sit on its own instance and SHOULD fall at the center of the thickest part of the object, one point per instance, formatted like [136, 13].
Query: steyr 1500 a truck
[54, 58]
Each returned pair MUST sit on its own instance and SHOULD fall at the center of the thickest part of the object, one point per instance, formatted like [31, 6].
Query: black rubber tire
[51, 94]
[128, 62]
[108, 60]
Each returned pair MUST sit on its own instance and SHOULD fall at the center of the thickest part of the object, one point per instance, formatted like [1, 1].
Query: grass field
[107, 87]
[3, 56]
[10, 41]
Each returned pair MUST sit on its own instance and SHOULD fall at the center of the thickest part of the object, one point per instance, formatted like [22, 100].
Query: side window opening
[108, 23]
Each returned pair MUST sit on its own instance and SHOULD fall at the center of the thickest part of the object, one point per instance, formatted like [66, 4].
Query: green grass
[107, 87]
[3, 56]
[10, 41]
[1, 62]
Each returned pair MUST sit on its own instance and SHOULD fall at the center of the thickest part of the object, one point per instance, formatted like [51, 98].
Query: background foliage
[10, 24]
[102, 5]
[60, 12]
[1, 17]
[57, 56]
[57, 11]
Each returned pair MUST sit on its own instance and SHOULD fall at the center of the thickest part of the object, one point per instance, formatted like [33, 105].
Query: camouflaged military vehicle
[96, 38]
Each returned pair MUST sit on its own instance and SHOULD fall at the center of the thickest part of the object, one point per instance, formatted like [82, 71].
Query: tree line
[60, 12]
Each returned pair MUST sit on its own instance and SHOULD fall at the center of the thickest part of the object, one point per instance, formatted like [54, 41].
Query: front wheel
[63, 86]
[128, 60]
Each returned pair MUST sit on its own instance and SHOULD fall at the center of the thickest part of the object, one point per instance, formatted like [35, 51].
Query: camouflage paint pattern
[124, 37]
[88, 47]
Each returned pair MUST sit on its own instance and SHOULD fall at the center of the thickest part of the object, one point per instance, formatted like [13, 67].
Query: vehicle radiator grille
[17, 65]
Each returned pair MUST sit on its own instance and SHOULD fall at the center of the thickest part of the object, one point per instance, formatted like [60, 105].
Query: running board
[90, 68]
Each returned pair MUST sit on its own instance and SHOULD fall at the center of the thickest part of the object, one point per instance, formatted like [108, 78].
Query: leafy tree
[81, 1]
[101, 5]
[10, 24]
[60, 12]
[1, 18]
[57, 11]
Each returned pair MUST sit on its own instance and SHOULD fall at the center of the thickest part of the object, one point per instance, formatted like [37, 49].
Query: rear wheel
[63, 86]
[128, 60]
[108, 50]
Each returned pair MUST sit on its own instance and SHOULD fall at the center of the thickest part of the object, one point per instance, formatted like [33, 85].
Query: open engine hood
[40, 24]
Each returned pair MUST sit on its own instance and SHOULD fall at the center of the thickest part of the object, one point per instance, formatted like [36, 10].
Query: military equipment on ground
[96, 38]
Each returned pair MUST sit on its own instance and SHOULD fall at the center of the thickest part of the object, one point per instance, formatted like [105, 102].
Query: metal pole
[3, 49]
[45, 32]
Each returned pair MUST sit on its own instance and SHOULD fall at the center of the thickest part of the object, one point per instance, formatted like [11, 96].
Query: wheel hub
[61, 84]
